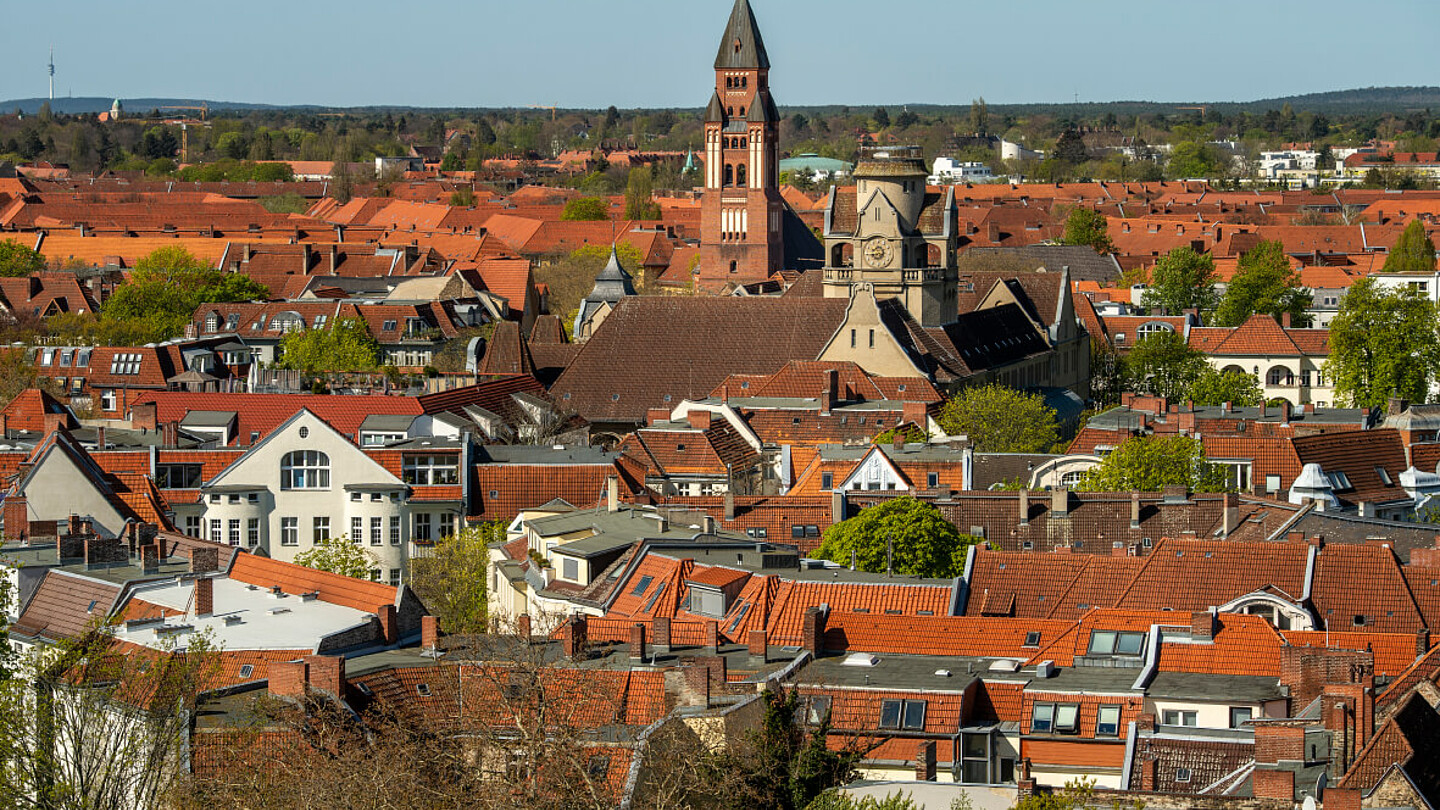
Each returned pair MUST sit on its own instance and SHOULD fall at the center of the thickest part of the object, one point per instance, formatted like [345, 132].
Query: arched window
[1280, 375]
[933, 256]
[740, 175]
[305, 469]
[729, 175]
[742, 111]
[1154, 327]
[212, 322]
[729, 82]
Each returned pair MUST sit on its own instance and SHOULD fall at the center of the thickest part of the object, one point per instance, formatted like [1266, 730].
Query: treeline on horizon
[144, 140]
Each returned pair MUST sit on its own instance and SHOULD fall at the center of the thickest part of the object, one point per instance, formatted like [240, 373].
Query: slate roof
[743, 29]
[1405, 740]
[1082, 262]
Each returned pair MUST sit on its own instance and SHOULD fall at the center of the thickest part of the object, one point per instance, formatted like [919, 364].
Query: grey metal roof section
[544, 454]
[387, 422]
[208, 419]
[742, 28]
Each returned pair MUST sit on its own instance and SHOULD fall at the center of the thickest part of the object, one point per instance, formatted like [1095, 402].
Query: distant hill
[1368, 100]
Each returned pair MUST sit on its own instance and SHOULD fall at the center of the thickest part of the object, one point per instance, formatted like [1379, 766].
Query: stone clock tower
[741, 211]
[894, 234]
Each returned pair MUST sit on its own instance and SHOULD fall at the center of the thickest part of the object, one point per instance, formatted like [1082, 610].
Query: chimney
[204, 596]
[17, 517]
[1204, 624]
[756, 645]
[306, 258]
[522, 627]
[660, 634]
[574, 636]
[287, 679]
[831, 394]
[1272, 784]
[171, 438]
[699, 419]
[327, 673]
[914, 413]
[1284, 410]
[99, 437]
[150, 559]
[1145, 723]
[1422, 641]
[712, 636]
[993, 232]
[1149, 769]
[1232, 514]
[389, 625]
[245, 252]
[1060, 503]
[204, 560]
[1134, 510]
[1395, 406]
[812, 636]
[925, 761]
[612, 493]
[334, 259]
[1284, 320]
[1338, 798]
[429, 632]
[637, 642]
[837, 505]
[653, 415]
[142, 417]
[707, 525]
[729, 506]
[1024, 507]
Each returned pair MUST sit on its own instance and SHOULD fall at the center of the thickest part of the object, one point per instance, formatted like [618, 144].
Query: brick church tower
[741, 211]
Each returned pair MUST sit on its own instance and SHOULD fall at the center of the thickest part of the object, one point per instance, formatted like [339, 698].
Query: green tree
[639, 193]
[1193, 160]
[999, 419]
[19, 261]
[339, 555]
[881, 117]
[1163, 364]
[1264, 284]
[346, 345]
[1070, 148]
[450, 578]
[1214, 387]
[1383, 343]
[781, 767]
[1413, 252]
[582, 209]
[910, 534]
[1182, 279]
[1086, 226]
[165, 289]
[1151, 463]
[573, 277]
[911, 433]
[835, 800]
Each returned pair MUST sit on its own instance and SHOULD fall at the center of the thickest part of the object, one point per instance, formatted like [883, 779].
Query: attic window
[494, 493]
[387, 326]
[644, 583]
[1032, 639]
[745, 384]
[423, 689]
[680, 448]
[1339, 480]
[614, 397]
[1359, 620]
[1182, 774]
[1384, 476]
[247, 670]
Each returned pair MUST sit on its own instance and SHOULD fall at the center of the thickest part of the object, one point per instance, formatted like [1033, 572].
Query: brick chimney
[755, 645]
[100, 437]
[1149, 769]
[1284, 320]
[523, 628]
[1422, 641]
[429, 632]
[637, 642]
[204, 596]
[1274, 743]
[812, 636]
[143, 417]
[1270, 784]
[729, 505]
[1024, 506]
[327, 673]
[1134, 510]
[17, 518]
[574, 636]
[204, 560]
[699, 420]
[1204, 624]
[1146, 722]
[660, 634]
[171, 439]
[712, 636]
[287, 679]
[925, 761]
[653, 415]
[150, 559]
[1337, 798]
[389, 625]
[1232, 513]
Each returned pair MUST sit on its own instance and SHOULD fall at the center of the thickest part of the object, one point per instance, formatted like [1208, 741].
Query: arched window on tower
[742, 112]
[740, 175]
[737, 45]
[729, 175]
[730, 111]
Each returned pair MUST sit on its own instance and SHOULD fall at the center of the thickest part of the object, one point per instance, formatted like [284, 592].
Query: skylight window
[650, 603]
[125, 363]
[247, 670]
[644, 583]
[1384, 476]
[1339, 480]
[1111, 642]
[903, 714]
[1032, 639]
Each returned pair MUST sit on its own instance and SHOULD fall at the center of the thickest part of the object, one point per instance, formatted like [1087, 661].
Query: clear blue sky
[651, 53]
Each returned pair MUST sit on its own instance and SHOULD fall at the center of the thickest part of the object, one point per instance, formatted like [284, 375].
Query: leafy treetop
[19, 261]
[998, 419]
[1413, 251]
[1086, 226]
[1151, 463]
[914, 536]
[1383, 343]
[1264, 284]
[583, 209]
[1182, 279]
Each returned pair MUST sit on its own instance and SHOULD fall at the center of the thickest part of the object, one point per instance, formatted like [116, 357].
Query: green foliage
[573, 277]
[1070, 148]
[1383, 343]
[785, 768]
[914, 535]
[1163, 364]
[1193, 160]
[19, 261]
[1182, 279]
[345, 345]
[835, 800]
[236, 171]
[1264, 284]
[1086, 226]
[339, 555]
[1413, 251]
[1214, 387]
[639, 193]
[912, 433]
[1151, 463]
[165, 289]
[584, 209]
[450, 578]
[462, 197]
[288, 203]
[999, 419]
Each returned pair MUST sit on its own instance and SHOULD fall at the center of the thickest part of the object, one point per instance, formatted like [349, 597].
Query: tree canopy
[914, 535]
[1265, 284]
[338, 555]
[167, 286]
[1182, 279]
[573, 277]
[345, 345]
[1213, 387]
[1086, 226]
[1383, 343]
[19, 261]
[1163, 364]
[583, 209]
[999, 419]
[1151, 463]
[1413, 251]
[639, 193]
[450, 578]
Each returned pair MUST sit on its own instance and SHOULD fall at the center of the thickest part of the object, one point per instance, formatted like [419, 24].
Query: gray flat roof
[206, 419]
[1195, 686]
[545, 454]
[385, 421]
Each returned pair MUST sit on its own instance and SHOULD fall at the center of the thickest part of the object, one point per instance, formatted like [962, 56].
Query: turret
[899, 173]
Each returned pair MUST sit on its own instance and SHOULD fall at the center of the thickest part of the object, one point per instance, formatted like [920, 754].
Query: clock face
[878, 253]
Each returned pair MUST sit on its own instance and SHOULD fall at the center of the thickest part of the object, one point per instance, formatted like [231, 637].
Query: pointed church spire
[742, 48]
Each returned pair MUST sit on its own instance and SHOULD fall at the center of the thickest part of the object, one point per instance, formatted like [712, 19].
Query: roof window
[903, 714]
[1032, 639]
[644, 583]
[1111, 642]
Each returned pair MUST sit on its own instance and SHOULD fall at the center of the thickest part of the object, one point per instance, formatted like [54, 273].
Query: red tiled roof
[294, 579]
[262, 413]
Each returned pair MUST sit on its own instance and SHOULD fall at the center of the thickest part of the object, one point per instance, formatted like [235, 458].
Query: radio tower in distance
[52, 74]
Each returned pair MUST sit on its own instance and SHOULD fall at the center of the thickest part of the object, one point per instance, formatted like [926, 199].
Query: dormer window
[1111, 642]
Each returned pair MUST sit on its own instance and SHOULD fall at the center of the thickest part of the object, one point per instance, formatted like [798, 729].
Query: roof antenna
[889, 553]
